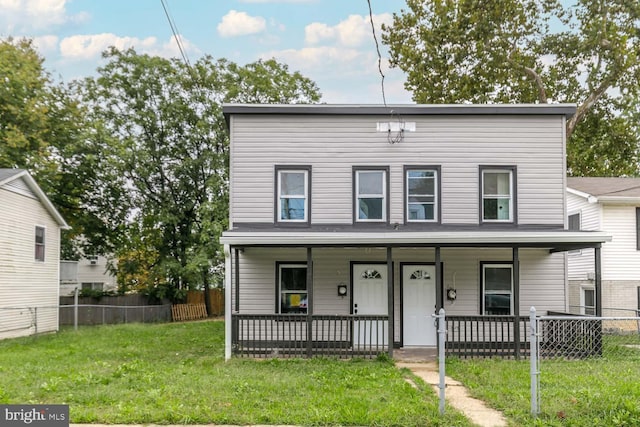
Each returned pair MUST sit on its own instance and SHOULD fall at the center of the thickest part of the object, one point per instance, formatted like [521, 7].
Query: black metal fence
[487, 336]
[299, 335]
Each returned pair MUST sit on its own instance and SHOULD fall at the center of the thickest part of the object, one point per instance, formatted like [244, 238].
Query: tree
[160, 130]
[525, 51]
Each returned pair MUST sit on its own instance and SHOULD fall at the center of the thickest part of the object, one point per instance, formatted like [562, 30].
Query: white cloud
[35, 15]
[46, 44]
[353, 31]
[237, 23]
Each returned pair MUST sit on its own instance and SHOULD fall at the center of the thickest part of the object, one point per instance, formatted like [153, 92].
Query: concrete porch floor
[415, 354]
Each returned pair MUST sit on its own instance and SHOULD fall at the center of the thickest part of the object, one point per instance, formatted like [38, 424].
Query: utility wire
[373, 30]
[176, 36]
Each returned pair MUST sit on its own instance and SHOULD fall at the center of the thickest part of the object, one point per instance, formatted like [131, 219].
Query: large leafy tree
[159, 129]
[585, 52]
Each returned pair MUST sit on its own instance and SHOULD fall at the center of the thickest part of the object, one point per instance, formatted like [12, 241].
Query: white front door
[419, 301]
[370, 296]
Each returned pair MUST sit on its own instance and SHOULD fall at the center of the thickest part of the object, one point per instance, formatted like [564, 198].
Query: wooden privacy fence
[195, 308]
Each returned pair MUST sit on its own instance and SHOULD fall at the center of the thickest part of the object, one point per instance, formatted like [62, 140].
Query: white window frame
[37, 244]
[435, 194]
[295, 291]
[579, 213]
[510, 197]
[93, 286]
[383, 195]
[583, 305]
[484, 291]
[281, 196]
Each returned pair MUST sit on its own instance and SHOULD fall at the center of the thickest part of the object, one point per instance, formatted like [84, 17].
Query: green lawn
[596, 392]
[175, 373]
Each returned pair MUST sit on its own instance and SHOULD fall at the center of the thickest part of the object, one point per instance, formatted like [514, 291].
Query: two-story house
[29, 256]
[350, 226]
[613, 205]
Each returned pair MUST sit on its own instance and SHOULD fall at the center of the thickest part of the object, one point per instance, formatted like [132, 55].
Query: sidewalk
[456, 395]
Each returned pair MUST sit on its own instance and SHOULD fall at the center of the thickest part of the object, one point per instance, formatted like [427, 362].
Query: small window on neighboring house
[370, 204]
[292, 288]
[39, 244]
[588, 301]
[93, 286]
[421, 197]
[574, 224]
[497, 188]
[497, 289]
[292, 195]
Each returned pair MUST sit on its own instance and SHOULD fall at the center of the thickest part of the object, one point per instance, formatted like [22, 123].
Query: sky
[328, 41]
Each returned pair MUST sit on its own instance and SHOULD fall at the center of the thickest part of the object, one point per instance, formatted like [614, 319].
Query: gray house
[350, 226]
[613, 205]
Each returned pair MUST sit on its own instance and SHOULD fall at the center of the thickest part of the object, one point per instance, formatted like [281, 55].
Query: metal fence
[100, 314]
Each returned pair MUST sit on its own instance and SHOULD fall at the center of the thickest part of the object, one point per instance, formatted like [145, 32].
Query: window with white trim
[292, 288]
[292, 195]
[497, 289]
[371, 195]
[39, 244]
[588, 300]
[497, 187]
[574, 221]
[92, 286]
[421, 195]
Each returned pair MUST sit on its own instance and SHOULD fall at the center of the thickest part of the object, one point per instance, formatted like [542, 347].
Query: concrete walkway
[456, 395]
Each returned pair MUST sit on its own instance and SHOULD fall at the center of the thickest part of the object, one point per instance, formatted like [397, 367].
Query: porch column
[516, 301]
[390, 300]
[309, 303]
[228, 330]
[598, 268]
[439, 281]
[236, 277]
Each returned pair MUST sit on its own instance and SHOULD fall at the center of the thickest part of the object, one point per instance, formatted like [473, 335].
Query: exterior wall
[619, 297]
[620, 257]
[25, 282]
[86, 272]
[542, 282]
[332, 145]
[581, 264]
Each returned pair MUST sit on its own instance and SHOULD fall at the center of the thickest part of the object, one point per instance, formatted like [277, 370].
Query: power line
[174, 30]
[373, 30]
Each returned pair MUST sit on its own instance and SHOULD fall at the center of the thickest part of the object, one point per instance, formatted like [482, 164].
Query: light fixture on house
[452, 294]
[342, 290]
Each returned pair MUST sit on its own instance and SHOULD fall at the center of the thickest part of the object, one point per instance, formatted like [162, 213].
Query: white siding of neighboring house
[620, 257]
[542, 283]
[24, 282]
[581, 263]
[86, 272]
[332, 145]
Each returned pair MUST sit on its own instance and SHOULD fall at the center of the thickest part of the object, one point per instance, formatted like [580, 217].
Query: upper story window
[421, 194]
[370, 194]
[293, 188]
[498, 190]
[39, 252]
[574, 222]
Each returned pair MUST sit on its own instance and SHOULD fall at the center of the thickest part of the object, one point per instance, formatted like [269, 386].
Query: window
[421, 194]
[292, 194]
[370, 195]
[93, 286]
[574, 225]
[588, 301]
[292, 288]
[39, 244]
[498, 194]
[497, 289]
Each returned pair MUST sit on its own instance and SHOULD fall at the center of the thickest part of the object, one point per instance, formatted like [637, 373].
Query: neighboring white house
[86, 273]
[29, 256]
[612, 205]
[351, 225]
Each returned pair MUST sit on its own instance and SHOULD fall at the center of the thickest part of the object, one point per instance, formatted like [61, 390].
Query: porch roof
[557, 240]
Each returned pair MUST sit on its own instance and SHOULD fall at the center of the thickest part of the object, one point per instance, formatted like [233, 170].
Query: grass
[595, 392]
[175, 373]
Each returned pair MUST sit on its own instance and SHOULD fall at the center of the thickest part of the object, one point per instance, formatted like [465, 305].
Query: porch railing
[487, 336]
[299, 335]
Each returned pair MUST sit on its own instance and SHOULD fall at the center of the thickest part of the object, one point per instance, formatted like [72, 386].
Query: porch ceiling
[561, 240]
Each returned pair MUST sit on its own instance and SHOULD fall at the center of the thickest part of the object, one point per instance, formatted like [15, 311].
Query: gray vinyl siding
[580, 264]
[459, 144]
[542, 282]
[24, 282]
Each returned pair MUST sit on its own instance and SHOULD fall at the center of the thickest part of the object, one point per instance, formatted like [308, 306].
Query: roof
[566, 110]
[606, 189]
[461, 236]
[9, 175]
